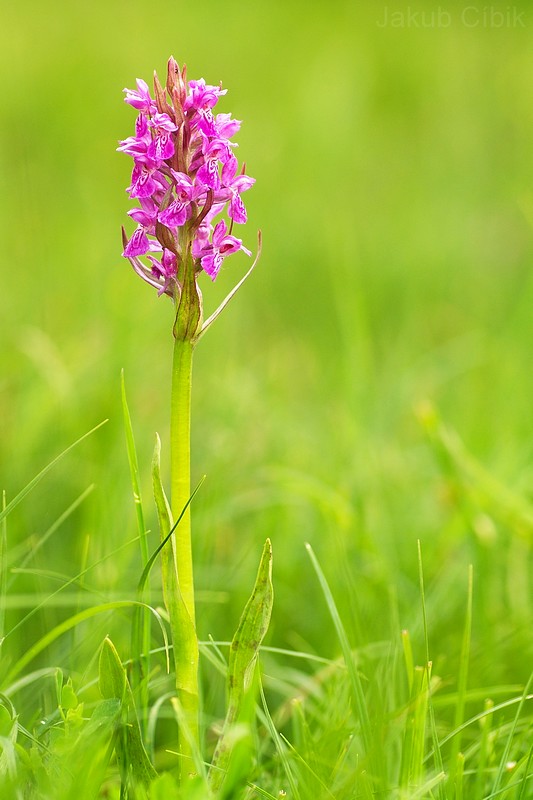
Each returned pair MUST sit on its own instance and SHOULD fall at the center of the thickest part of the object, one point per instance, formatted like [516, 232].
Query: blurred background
[392, 150]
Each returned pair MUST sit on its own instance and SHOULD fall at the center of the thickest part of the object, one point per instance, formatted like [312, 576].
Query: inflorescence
[185, 175]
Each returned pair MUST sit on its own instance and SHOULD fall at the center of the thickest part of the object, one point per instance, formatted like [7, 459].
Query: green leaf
[251, 630]
[69, 699]
[6, 722]
[105, 713]
[112, 675]
[113, 683]
[244, 649]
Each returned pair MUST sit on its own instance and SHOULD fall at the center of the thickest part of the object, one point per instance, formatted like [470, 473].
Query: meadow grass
[365, 404]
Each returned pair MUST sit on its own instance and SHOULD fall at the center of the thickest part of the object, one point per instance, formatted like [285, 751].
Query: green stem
[180, 454]
[181, 610]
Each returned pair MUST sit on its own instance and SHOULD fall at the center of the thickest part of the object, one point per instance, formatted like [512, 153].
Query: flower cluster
[185, 175]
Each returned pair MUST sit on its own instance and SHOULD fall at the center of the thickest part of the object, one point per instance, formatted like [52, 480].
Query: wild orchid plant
[185, 178]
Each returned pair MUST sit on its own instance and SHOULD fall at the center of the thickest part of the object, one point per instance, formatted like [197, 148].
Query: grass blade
[33, 483]
[3, 568]
[415, 731]
[433, 726]
[280, 748]
[141, 622]
[462, 680]
[67, 625]
[505, 757]
[134, 472]
[360, 706]
[485, 749]
[31, 547]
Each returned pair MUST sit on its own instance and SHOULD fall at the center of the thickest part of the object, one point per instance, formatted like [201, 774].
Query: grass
[369, 389]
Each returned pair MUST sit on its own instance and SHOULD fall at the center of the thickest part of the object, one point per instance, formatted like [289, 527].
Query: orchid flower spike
[185, 179]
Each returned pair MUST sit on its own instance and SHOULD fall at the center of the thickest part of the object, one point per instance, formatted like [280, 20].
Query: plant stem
[181, 610]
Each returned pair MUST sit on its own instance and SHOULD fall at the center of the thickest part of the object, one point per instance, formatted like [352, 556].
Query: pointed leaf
[252, 629]
[113, 683]
[241, 667]
[112, 675]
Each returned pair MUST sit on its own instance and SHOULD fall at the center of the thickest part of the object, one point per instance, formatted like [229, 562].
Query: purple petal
[185, 189]
[202, 96]
[226, 126]
[133, 146]
[228, 170]
[219, 233]
[229, 244]
[161, 148]
[208, 174]
[242, 183]
[143, 181]
[166, 267]
[237, 211]
[141, 217]
[141, 126]
[206, 123]
[211, 264]
[176, 214]
[140, 99]
[162, 122]
[138, 245]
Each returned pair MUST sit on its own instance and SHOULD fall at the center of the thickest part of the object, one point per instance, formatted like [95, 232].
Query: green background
[394, 172]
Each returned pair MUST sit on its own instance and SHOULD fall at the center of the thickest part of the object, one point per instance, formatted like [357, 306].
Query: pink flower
[212, 255]
[202, 96]
[165, 271]
[146, 181]
[233, 186]
[146, 215]
[141, 99]
[137, 146]
[162, 146]
[226, 127]
[140, 244]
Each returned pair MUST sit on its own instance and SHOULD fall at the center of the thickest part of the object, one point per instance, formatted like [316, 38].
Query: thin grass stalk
[458, 776]
[33, 483]
[3, 567]
[408, 657]
[30, 548]
[411, 768]
[527, 775]
[505, 757]
[359, 699]
[141, 627]
[65, 626]
[441, 791]
[462, 680]
[485, 749]
[280, 747]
